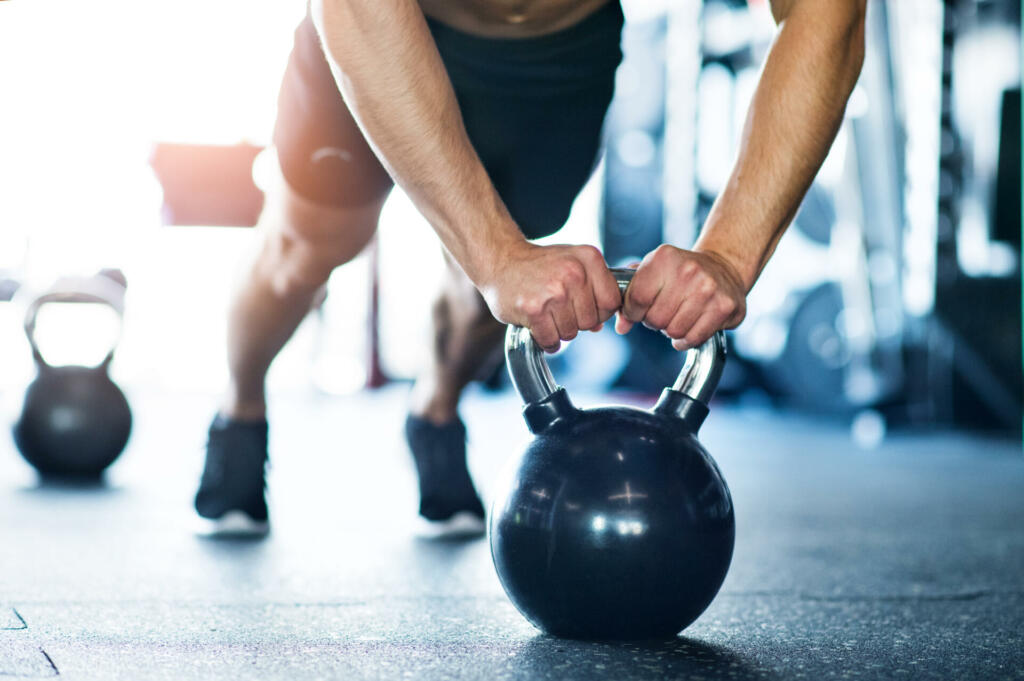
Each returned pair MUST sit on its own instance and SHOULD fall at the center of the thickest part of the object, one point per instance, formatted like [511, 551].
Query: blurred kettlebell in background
[75, 421]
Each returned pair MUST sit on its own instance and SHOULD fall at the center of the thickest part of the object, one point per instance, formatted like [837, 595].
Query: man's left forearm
[793, 118]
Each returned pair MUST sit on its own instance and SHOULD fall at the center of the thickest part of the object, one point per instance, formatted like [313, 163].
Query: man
[488, 114]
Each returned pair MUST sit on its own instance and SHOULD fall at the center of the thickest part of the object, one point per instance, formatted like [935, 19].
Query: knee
[292, 265]
[302, 250]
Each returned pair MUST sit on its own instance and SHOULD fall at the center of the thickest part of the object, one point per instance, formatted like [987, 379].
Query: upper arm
[780, 9]
[849, 10]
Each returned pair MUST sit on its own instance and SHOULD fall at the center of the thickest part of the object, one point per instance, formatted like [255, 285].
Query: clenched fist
[687, 295]
[555, 291]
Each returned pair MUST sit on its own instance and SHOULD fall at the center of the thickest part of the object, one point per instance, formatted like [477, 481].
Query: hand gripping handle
[696, 382]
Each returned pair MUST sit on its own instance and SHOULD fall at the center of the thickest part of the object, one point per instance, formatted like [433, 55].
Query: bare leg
[467, 342]
[304, 242]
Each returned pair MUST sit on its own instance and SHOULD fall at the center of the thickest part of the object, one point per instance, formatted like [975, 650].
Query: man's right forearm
[390, 73]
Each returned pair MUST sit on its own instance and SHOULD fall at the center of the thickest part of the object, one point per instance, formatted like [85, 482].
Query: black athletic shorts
[533, 109]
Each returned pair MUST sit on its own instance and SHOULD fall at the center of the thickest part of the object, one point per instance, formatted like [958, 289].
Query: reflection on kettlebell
[75, 421]
[615, 523]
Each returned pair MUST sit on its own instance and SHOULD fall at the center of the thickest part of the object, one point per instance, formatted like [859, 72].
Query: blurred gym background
[894, 301]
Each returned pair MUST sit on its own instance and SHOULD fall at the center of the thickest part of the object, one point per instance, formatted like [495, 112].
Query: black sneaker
[230, 500]
[449, 505]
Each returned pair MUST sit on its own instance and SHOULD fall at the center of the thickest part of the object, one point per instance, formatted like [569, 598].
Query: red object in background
[212, 185]
[208, 184]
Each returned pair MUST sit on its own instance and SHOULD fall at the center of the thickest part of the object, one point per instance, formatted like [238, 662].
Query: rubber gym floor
[906, 561]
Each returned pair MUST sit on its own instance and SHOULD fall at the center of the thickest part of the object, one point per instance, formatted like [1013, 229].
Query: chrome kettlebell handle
[532, 377]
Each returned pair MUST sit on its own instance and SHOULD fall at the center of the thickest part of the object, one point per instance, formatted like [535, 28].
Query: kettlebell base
[72, 480]
[622, 636]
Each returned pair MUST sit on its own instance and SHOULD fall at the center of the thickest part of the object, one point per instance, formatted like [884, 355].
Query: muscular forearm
[392, 78]
[793, 119]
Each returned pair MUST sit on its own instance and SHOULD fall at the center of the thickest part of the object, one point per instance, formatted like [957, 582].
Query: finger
[640, 295]
[702, 330]
[601, 286]
[664, 308]
[564, 319]
[607, 295]
[680, 328]
[584, 306]
[622, 325]
[545, 334]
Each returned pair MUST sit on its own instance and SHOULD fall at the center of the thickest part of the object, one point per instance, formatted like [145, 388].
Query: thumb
[622, 325]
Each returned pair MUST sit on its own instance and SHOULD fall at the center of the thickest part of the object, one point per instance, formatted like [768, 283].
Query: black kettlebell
[615, 523]
[75, 421]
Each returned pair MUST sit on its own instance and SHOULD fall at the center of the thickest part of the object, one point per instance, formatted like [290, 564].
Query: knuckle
[531, 307]
[725, 306]
[554, 291]
[706, 286]
[663, 251]
[572, 272]
[591, 254]
[689, 268]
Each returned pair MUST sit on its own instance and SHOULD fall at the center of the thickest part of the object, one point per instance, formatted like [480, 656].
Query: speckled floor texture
[906, 561]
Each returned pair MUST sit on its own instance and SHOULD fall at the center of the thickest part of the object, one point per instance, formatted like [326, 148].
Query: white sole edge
[461, 525]
[232, 524]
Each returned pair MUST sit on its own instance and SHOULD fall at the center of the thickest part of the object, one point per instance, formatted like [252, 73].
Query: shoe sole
[232, 524]
[462, 525]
